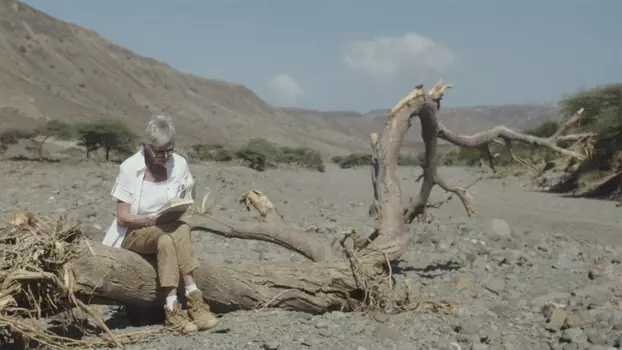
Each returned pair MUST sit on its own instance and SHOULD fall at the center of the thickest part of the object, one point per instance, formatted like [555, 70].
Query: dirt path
[499, 272]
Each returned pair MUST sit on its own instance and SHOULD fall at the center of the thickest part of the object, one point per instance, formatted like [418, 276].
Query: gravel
[528, 271]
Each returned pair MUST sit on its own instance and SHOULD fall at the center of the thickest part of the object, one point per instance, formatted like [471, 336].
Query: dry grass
[36, 281]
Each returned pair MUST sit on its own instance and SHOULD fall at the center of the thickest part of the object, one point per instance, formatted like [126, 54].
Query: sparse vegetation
[11, 137]
[38, 136]
[213, 152]
[106, 134]
[358, 159]
[260, 154]
[352, 160]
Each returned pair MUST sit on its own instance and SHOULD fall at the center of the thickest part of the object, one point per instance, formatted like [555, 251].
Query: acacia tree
[52, 128]
[354, 274]
[111, 135]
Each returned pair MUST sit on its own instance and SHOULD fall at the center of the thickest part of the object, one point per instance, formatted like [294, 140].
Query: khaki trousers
[173, 248]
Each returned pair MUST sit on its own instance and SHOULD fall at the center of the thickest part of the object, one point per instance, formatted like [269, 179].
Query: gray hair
[160, 131]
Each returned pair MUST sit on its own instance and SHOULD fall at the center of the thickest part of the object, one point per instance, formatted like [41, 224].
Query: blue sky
[362, 55]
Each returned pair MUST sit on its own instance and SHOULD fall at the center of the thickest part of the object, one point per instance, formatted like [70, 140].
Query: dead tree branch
[270, 227]
[481, 141]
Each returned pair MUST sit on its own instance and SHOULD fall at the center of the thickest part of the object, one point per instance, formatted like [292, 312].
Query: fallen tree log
[359, 279]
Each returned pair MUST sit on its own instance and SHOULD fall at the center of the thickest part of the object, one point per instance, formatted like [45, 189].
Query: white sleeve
[122, 189]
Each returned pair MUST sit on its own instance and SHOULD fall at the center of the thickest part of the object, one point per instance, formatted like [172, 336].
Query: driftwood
[355, 275]
[358, 279]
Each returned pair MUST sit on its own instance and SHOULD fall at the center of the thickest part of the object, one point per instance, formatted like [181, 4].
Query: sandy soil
[521, 251]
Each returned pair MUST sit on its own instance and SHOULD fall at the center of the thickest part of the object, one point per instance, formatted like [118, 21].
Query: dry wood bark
[270, 227]
[323, 284]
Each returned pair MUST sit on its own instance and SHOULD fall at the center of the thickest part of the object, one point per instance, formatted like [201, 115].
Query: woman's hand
[150, 220]
[126, 219]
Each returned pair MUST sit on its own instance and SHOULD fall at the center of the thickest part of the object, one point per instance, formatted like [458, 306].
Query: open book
[179, 205]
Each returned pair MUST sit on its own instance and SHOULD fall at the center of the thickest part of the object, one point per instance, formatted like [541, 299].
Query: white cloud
[412, 57]
[285, 89]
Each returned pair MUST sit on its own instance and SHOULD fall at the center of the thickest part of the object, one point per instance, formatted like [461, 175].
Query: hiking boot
[199, 312]
[178, 320]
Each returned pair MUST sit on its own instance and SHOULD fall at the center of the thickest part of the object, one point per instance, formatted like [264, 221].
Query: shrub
[546, 129]
[354, 160]
[410, 159]
[301, 156]
[12, 136]
[259, 153]
[254, 160]
[461, 156]
[357, 159]
[213, 152]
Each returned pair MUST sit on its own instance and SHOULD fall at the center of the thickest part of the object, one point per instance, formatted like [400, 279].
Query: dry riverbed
[528, 271]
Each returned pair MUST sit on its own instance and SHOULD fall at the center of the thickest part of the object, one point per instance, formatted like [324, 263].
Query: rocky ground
[528, 271]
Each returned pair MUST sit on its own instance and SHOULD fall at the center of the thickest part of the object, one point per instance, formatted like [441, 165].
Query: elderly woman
[146, 181]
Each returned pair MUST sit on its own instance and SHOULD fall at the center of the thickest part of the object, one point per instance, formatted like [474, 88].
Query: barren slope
[50, 68]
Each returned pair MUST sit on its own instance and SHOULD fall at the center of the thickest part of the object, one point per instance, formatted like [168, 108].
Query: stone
[557, 319]
[462, 284]
[272, 345]
[384, 332]
[322, 324]
[496, 285]
[381, 317]
[547, 311]
[500, 227]
[597, 339]
[549, 298]
[573, 335]
[594, 273]
[579, 318]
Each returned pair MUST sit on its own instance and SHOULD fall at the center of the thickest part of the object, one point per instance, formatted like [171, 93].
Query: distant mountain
[465, 120]
[53, 69]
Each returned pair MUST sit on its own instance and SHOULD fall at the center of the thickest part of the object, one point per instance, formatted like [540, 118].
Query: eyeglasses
[159, 152]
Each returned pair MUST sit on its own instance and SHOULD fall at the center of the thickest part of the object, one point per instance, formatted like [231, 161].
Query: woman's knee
[165, 241]
[183, 228]
[182, 232]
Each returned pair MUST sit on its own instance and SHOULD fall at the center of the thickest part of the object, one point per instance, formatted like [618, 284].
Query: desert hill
[54, 69]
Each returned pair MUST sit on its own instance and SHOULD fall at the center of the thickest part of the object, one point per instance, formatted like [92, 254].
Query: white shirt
[153, 196]
[129, 184]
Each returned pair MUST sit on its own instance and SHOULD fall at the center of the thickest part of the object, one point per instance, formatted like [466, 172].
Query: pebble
[273, 345]
[496, 285]
[579, 318]
[500, 227]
